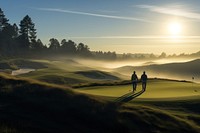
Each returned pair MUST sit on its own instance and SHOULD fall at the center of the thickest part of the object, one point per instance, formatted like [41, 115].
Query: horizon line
[136, 37]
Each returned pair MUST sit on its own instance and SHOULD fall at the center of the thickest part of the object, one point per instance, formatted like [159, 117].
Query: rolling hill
[28, 106]
[68, 72]
[184, 71]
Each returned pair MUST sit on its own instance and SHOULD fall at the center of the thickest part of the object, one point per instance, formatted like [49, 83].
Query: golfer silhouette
[144, 80]
[134, 80]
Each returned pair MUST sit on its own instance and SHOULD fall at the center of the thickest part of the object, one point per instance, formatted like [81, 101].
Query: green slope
[156, 89]
[68, 72]
[31, 107]
[184, 70]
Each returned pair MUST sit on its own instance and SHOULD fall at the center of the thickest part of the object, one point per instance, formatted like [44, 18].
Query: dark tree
[3, 20]
[8, 34]
[126, 56]
[152, 56]
[33, 36]
[27, 32]
[22, 41]
[63, 43]
[15, 31]
[54, 44]
[105, 55]
[111, 55]
[163, 55]
[68, 47]
[8, 43]
[38, 46]
[83, 50]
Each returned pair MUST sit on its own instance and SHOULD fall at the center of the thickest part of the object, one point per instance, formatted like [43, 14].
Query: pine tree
[32, 35]
[27, 32]
[39, 45]
[16, 30]
[3, 20]
[5, 34]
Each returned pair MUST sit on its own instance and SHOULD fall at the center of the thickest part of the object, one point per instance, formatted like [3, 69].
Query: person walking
[134, 80]
[144, 80]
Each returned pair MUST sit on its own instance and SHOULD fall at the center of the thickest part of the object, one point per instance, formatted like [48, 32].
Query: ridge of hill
[184, 70]
[95, 74]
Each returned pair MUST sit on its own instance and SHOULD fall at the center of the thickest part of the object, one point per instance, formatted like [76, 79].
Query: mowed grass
[28, 106]
[155, 89]
[68, 72]
[58, 72]
[178, 99]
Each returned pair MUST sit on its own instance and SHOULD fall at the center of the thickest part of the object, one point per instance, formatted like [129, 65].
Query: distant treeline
[21, 40]
[130, 56]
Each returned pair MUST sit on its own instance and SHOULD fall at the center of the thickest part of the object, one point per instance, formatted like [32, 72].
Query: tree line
[21, 40]
[130, 56]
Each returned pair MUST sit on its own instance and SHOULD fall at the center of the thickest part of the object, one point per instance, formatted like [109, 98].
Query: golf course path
[128, 96]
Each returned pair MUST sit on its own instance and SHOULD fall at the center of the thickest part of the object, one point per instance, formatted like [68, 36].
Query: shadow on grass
[128, 97]
[36, 108]
[28, 107]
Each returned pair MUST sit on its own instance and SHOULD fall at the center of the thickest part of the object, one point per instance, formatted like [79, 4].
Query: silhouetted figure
[134, 80]
[144, 80]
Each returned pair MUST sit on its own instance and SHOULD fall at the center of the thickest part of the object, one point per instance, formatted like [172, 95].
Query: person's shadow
[128, 96]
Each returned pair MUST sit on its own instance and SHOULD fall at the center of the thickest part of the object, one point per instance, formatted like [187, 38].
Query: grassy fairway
[68, 72]
[155, 89]
[175, 98]
[27, 106]
[37, 107]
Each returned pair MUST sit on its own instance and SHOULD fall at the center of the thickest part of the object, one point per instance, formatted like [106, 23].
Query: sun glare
[174, 28]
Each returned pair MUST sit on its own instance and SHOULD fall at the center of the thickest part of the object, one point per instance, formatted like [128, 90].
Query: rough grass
[32, 107]
[155, 120]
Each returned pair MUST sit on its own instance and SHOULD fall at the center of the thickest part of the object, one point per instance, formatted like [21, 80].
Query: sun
[174, 28]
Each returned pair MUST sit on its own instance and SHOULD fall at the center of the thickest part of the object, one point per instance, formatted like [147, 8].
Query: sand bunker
[22, 71]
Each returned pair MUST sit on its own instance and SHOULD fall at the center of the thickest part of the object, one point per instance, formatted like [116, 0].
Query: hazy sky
[124, 26]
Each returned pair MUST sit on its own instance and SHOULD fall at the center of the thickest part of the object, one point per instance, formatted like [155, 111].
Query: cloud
[171, 11]
[93, 14]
